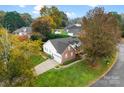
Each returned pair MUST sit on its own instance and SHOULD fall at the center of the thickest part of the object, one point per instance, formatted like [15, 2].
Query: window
[66, 55]
[71, 53]
[45, 48]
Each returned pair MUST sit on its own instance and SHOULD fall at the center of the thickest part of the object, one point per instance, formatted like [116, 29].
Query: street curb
[115, 60]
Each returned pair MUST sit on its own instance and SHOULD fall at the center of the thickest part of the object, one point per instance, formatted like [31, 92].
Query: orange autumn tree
[15, 60]
[43, 27]
[100, 34]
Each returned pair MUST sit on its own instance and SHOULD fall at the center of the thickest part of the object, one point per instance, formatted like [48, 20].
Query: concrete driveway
[115, 78]
[45, 66]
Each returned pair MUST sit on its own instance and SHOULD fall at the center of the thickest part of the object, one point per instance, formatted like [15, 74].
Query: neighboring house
[57, 31]
[62, 49]
[73, 30]
[24, 31]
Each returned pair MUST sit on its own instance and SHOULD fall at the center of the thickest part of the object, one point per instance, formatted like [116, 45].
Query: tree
[43, 27]
[13, 21]
[120, 20]
[100, 34]
[64, 21]
[26, 18]
[75, 21]
[15, 60]
[59, 17]
[2, 14]
[45, 11]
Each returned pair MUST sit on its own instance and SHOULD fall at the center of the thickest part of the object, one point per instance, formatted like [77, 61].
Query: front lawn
[37, 60]
[79, 74]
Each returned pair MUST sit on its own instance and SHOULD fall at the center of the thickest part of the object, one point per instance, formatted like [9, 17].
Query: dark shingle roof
[73, 29]
[23, 29]
[62, 43]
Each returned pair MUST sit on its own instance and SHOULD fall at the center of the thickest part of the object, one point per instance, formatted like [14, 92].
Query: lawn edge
[114, 62]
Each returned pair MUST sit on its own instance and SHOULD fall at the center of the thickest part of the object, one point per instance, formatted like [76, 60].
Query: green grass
[55, 36]
[63, 32]
[79, 74]
[70, 61]
[37, 60]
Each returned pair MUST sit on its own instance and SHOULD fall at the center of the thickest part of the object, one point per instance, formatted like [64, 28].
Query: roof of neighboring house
[62, 43]
[75, 28]
[23, 29]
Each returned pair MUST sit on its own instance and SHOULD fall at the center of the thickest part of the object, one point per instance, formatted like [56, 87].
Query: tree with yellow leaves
[15, 60]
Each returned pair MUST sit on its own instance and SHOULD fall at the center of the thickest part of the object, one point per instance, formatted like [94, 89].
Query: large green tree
[64, 21]
[15, 60]
[13, 21]
[27, 18]
[122, 24]
[100, 34]
[120, 20]
[2, 14]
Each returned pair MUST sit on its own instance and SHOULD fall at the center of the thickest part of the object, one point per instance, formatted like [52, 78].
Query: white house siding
[57, 32]
[70, 34]
[57, 57]
[49, 49]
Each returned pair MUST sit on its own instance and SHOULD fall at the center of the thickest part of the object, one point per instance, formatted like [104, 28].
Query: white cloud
[37, 9]
[93, 5]
[22, 6]
[71, 14]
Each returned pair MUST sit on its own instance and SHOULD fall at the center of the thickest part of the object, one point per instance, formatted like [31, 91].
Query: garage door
[57, 58]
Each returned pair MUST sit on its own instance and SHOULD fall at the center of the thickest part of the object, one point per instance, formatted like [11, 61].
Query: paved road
[115, 78]
[45, 66]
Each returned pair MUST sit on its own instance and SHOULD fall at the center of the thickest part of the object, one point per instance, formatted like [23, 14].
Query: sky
[72, 11]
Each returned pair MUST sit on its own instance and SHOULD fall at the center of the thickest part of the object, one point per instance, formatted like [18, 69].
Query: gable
[50, 46]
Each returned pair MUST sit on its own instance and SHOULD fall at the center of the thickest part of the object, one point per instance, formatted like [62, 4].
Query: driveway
[115, 78]
[45, 66]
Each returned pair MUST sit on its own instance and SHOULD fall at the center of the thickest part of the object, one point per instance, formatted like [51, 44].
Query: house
[57, 31]
[73, 30]
[62, 49]
[24, 31]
